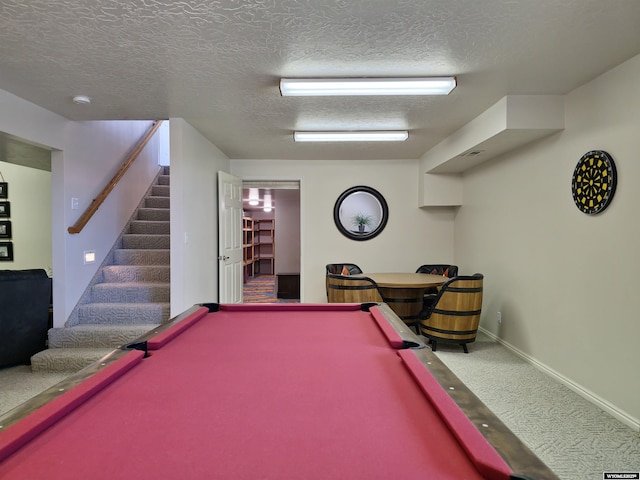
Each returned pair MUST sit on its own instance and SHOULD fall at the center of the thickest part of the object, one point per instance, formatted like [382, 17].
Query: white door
[229, 238]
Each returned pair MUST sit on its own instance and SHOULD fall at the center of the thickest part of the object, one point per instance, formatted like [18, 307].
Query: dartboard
[594, 182]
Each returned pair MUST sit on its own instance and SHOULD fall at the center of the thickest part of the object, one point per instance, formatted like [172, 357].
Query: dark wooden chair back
[336, 268]
[348, 289]
[439, 269]
[455, 314]
[435, 269]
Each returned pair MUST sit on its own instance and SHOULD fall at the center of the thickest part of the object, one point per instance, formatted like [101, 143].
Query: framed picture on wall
[5, 229]
[6, 252]
[5, 209]
[4, 190]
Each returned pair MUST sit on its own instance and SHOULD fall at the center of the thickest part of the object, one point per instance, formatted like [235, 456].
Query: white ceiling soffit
[17, 151]
[512, 122]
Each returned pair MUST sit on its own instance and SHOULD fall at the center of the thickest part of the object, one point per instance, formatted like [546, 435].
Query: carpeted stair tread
[137, 241]
[160, 190]
[131, 292]
[150, 227]
[96, 336]
[123, 313]
[143, 256]
[157, 202]
[66, 359]
[157, 214]
[136, 273]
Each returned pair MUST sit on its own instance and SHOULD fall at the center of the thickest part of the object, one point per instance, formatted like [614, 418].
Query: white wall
[287, 235]
[30, 201]
[566, 283]
[195, 163]
[412, 236]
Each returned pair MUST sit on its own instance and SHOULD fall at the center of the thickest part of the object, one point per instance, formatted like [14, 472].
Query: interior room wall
[30, 199]
[195, 163]
[287, 235]
[565, 282]
[412, 236]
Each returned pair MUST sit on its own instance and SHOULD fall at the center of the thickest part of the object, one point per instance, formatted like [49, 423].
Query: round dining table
[404, 292]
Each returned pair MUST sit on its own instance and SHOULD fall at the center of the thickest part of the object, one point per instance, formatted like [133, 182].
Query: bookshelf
[248, 247]
[265, 245]
[258, 244]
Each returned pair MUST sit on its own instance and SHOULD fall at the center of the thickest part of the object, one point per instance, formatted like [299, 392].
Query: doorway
[271, 241]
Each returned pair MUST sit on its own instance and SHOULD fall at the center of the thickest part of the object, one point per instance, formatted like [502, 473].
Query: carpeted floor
[262, 289]
[574, 437]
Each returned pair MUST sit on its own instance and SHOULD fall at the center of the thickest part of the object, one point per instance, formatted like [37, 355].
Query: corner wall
[195, 163]
[565, 283]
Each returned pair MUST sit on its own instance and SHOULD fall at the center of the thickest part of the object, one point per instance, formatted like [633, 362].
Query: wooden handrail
[96, 202]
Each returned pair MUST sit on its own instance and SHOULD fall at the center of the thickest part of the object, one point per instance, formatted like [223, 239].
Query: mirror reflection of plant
[361, 219]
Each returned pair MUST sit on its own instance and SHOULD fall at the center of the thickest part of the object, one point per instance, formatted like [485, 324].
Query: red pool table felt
[283, 391]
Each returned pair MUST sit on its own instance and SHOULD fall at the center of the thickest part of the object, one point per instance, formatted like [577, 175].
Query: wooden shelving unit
[265, 246]
[248, 247]
[258, 245]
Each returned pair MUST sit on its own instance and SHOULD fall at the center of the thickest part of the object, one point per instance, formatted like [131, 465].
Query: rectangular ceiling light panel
[370, 136]
[366, 86]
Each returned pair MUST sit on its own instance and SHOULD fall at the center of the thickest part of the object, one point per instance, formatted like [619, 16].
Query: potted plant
[362, 220]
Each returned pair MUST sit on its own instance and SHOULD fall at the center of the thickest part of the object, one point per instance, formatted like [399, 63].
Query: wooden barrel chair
[455, 314]
[341, 269]
[435, 269]
[347, 289]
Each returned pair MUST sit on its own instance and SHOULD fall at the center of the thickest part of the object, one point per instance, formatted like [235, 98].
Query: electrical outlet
[499, 318]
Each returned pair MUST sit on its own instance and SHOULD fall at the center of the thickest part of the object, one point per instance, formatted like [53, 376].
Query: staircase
[129, 295]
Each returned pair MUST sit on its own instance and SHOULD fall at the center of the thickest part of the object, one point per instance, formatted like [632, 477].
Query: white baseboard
[624, 417]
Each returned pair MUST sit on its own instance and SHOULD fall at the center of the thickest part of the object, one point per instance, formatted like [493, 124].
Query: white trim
[625, 418]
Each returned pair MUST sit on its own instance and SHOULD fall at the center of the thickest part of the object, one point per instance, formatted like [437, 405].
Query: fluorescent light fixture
[254, 196]
[351, 136]
[367, 86]
[267, 202]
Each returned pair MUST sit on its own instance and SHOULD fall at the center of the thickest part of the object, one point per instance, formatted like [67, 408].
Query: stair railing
[99, 200]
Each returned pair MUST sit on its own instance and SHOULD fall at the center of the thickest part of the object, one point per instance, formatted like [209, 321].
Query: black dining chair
[435, 269]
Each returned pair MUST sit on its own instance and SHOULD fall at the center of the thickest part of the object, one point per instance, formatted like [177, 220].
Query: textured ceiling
[216, 63]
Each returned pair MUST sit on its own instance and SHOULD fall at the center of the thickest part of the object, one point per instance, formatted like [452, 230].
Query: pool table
[269, 391]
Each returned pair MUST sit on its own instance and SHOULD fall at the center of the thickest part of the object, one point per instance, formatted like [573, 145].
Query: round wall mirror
[360, 213]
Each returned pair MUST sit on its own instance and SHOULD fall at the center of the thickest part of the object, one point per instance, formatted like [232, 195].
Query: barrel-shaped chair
[340, 269]
[455, 313]
[348, 289]
[435, 269]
